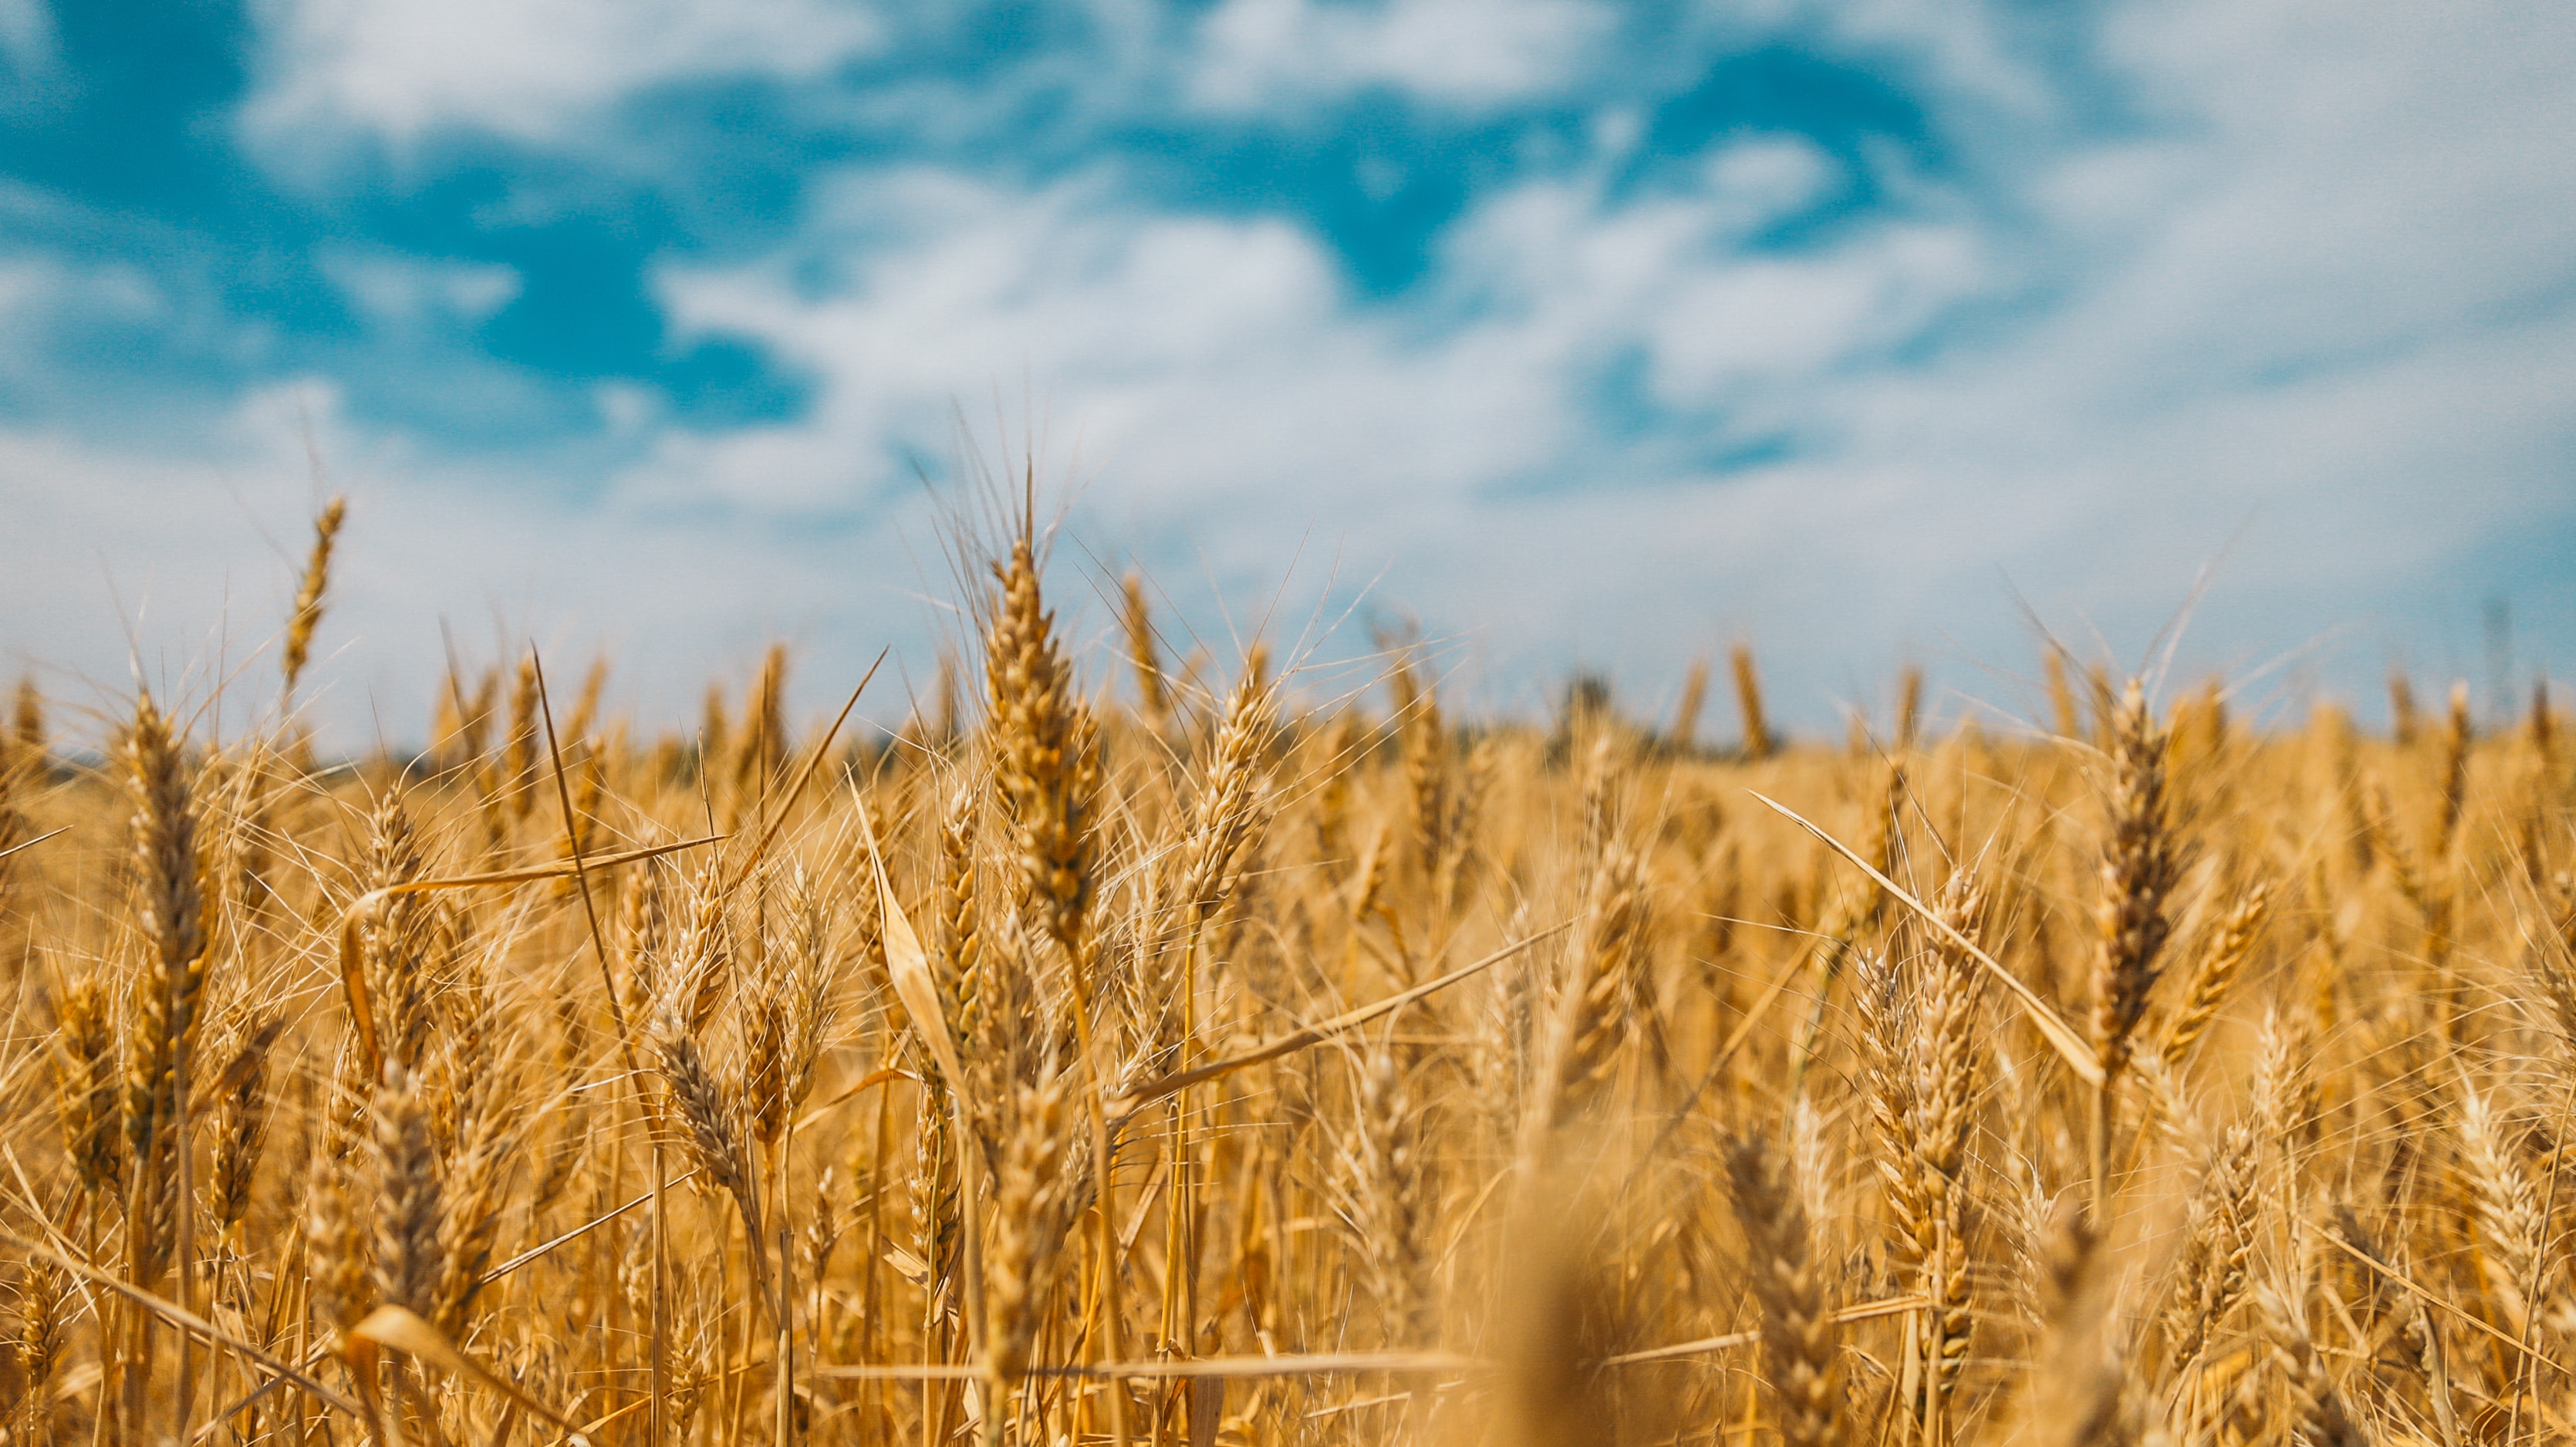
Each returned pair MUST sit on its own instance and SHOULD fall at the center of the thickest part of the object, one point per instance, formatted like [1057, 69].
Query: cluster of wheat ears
[1233, 1066]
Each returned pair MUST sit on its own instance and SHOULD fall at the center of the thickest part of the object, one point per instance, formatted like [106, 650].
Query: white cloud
[1201, 363]
[27, 36]
[39, 289]
[411, 290]
[182, 564]
[1254, 54]
[529, 70]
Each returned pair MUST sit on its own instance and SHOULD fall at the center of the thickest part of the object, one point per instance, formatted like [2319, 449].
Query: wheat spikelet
[170, 912]
[409, 1212]
[2323, 1419]
[931, 1196]
[957, 948]
[1946, 1066]
[1331, 818]
[523, 750]
[1684, 732]
[1229, 813]
[761, 755]
[2216, 972]
[87, 1084]
[44, 1292]
[1033, 1212]
[308, 595]
[1046, 765]
[1203, 871]
[398, 942]
[1153, 700]
[27, 726]
[473, 1185]
[790, 1010]
[336, 1244]
[1598, 999]
[701, 969]
[1391, 1197]
[1922, 1052]
[1424, 735]
[2507, 1216]
[2458, 734]
[715, 739]
[241, 1123]
[1798, 1346]
[2212, 1278]
[1758, 742]
[2140, 867]
[2403, 725]
[711, 1113]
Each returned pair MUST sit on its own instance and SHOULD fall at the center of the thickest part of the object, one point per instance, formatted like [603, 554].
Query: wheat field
[1147, 1049]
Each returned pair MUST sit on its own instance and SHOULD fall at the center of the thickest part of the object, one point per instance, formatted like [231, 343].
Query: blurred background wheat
[1177, 1052]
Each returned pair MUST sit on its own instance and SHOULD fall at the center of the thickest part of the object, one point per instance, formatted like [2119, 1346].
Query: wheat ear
[1798, 1348]
[1758, 740]
[2217, 970]
[2141, 863]
[308, 595]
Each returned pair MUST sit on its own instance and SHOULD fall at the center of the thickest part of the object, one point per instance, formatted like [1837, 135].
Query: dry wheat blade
[2070, 1046]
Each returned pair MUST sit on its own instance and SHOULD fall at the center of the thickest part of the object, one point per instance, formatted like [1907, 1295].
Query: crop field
[1148, 1047]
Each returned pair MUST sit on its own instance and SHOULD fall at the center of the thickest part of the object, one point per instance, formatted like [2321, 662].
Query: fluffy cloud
[1190, 359]
[527, 70]
[1258, 53]
[179, 565]
[400, 290]
[26, 36]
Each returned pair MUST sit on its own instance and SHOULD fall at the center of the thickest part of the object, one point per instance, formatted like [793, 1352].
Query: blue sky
[1589, 335]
